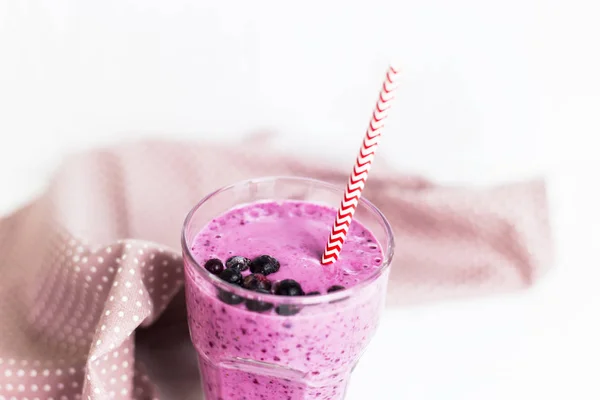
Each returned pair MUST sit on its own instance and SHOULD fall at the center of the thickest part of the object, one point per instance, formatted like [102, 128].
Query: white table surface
[491, 92]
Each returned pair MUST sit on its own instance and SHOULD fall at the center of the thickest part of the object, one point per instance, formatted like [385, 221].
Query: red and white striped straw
[360, 172]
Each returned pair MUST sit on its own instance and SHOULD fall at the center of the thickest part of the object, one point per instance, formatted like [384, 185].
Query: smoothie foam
[246, 355]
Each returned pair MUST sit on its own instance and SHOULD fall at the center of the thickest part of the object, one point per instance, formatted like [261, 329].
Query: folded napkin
[92, 275]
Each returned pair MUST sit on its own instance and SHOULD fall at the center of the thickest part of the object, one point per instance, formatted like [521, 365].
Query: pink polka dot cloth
[90, 295]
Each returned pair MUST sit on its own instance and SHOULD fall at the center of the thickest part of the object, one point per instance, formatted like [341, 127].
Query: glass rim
[272, 298]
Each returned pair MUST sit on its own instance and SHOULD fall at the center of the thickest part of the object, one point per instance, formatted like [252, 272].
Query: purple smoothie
[248, 355]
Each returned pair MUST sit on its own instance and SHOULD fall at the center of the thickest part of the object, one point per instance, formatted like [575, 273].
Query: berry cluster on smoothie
[252, 275]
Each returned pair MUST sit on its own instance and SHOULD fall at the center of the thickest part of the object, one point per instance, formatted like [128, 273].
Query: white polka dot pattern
[73, 291]
[95, 308]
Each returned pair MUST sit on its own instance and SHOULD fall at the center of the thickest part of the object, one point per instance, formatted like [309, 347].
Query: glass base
[247, 381]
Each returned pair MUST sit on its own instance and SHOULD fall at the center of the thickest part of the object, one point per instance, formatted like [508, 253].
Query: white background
[492, 91]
